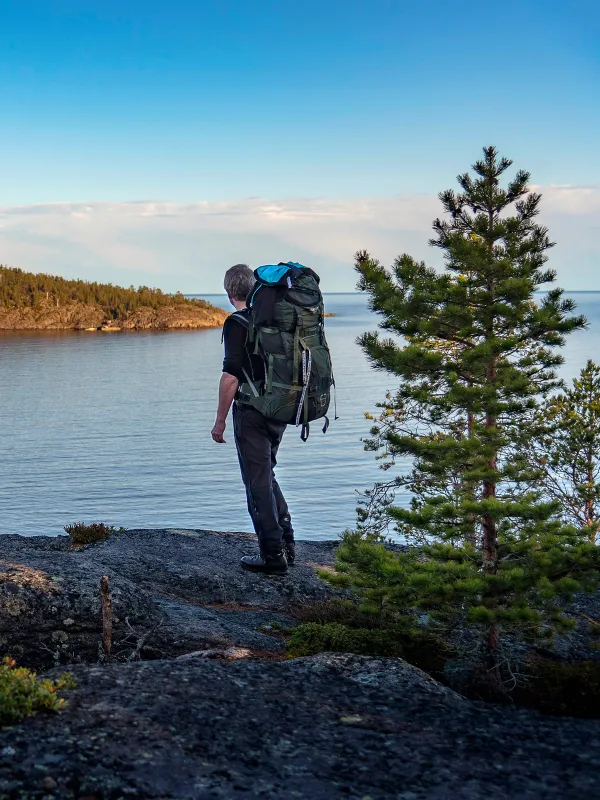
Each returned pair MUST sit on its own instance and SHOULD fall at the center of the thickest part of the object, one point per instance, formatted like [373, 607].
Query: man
[257, 439]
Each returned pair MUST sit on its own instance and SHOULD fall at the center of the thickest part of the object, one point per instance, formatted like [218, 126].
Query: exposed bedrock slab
[321, 728]
[179, 590]
[175, 591]
[207, 720]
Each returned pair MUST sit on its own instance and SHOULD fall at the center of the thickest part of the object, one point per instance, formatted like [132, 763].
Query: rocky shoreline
[82, 317]
[180, 589]
[199, 700]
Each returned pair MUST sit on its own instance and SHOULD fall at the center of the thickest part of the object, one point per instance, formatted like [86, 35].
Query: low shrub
[81, 533]
[315, 637]
[343, 626]
[419, 648]
[345, 612]
[23, 694]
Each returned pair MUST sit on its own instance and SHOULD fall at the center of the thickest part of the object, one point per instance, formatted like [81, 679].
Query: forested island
[36, 301]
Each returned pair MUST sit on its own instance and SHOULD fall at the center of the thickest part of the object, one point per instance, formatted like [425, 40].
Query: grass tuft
[81, 533]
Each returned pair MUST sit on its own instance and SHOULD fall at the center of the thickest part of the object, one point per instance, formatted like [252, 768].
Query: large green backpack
[285, 327]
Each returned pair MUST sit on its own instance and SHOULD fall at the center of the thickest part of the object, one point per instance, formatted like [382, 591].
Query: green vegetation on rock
[23, 694]
[418, 648]
[314, 637]
[81, 533]
[340, 626]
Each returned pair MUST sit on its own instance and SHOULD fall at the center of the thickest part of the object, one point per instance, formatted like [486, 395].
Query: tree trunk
[493, 659]
[489, 549]
[471, 533]
[490, 554]
[489, 544]
[590, 515]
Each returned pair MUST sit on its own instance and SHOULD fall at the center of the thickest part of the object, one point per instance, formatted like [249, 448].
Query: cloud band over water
[187, 246]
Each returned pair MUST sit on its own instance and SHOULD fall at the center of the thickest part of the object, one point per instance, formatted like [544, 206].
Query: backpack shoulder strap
[240, 318]
[243, 320]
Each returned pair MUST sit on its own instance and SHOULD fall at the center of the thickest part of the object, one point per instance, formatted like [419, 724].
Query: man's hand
[218, 431]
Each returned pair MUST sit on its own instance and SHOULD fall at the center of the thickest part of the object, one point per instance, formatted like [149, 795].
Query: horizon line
[540, 291]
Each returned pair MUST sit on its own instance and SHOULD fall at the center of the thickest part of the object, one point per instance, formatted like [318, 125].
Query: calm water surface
[116, 427]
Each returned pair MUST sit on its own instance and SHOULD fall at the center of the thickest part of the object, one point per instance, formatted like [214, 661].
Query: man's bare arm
[227, 389]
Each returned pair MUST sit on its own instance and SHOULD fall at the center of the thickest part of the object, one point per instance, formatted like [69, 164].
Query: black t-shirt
[240, 356]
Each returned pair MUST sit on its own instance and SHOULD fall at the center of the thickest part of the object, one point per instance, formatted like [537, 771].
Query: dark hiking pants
[257, 440]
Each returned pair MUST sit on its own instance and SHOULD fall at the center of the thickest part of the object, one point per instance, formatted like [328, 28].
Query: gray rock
[389, 674]
[173, 591]
[213, 721]
[186, 625]
[322, 728]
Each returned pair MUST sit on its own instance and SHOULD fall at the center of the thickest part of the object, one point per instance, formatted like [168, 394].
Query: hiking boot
[272, 563]
[289, 548]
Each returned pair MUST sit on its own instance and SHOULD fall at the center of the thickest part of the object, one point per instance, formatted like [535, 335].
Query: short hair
[239, 281]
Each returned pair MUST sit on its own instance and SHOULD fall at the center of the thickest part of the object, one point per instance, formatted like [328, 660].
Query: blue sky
[185, 103]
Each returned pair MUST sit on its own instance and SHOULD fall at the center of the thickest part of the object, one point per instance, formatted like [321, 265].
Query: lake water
[116, 427]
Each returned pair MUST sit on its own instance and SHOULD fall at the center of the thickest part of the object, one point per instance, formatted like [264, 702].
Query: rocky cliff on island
[80, 316]
[198, 699]
[31, 301]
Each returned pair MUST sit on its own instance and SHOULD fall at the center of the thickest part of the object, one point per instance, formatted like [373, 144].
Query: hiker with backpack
[276, 371]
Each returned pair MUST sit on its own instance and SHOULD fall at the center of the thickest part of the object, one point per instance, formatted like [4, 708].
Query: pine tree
[477, 351]
[567, 449]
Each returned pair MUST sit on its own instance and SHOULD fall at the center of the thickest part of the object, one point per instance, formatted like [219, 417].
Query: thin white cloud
[188, 245]
[579, 200]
